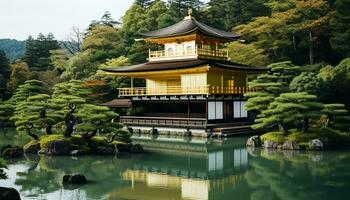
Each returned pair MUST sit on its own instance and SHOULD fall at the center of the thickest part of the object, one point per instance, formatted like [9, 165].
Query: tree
[269, 86]
[102, 42]
[37, 51]
[2, 167]
[74, 42]
[337, 116]
[336, 81]
[340, 30]
[225, 14]
[70, 96]
[19, 74]
[97, 120]
[179, 8]
[290, 110]
[306, 82]
[294, 28]
[247, 54]
[23, 116]
[4, 74]
[6, 111]
[79, 67]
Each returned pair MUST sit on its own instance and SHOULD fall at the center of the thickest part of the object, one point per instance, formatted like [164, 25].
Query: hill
[13, 48]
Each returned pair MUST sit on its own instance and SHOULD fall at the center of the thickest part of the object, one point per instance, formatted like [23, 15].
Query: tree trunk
[282, 128]
[311, 48]
[305, 125]
[32, 135]
[49, 130]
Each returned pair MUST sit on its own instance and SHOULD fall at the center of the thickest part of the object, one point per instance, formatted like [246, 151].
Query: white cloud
[20, 18]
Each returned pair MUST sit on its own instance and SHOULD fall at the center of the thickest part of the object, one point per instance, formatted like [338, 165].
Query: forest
[61, 82]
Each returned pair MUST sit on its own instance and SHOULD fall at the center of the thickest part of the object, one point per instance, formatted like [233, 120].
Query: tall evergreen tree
[37, 51]
[340, 27]
[226, 14]
[4, 75]
[179, 8]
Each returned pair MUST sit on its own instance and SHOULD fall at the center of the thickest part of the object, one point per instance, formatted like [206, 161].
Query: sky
[21, 18]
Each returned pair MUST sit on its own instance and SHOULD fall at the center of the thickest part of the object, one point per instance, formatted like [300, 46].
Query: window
[215, 110]
[189, 49]
[170, 51]
[238, 109]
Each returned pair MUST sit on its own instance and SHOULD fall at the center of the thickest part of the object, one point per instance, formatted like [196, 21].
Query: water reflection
[191, 169]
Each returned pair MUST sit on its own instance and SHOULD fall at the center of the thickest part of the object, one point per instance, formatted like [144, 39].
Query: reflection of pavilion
[203, 172]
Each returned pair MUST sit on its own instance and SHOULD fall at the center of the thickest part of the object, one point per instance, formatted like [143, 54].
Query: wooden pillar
[132, 82]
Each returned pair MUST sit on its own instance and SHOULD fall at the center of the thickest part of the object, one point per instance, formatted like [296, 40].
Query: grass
[336, 138]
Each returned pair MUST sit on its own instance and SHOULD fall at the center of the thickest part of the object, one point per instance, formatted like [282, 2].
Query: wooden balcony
[164, 121]
[196, 53]
[178, 90]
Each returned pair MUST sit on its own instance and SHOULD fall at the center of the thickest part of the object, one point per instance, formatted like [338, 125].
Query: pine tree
[37, 51]
[290, 110]
[225, 14]
[4, 75]
[268, 86]
[24, 118]
[6, 111]
[337, 116]
[97, 120]
[70, 96]
[340, 27]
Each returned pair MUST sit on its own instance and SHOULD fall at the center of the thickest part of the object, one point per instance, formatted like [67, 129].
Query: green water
[177, 168]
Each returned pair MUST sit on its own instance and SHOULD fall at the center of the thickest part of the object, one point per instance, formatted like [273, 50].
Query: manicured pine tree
[22, 118]
[268, 86]
[70, 96]
[6, 111]
[337, 116]
[43, 112]
[290, 110]
[98, 120]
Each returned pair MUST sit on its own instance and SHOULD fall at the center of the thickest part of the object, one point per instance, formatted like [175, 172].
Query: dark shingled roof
[183, 64]
[118, 103]
[189, 25]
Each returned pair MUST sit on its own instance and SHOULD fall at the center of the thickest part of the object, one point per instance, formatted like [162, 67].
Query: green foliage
[37, 51]
[290, 110]
[19, 74]
[340, 30]
[337, 116]
[4, 74]
[247, 54]
[179, 8]
[27, 111]
[292, 30]
[306, 82]
[268, 86]
[2, 167]
[336, 83]
[102, 42]
[6, 111]
[335, 138]
[80, 67]
[227, 14]
[59, 60]
[97, 120]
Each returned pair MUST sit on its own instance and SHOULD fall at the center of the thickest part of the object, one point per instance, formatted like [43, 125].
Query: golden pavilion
[191, 87]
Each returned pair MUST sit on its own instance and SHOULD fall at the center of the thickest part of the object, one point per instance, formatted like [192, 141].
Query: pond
[182, 168]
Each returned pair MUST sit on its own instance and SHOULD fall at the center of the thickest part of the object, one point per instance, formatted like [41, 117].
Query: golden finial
[190, 12]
